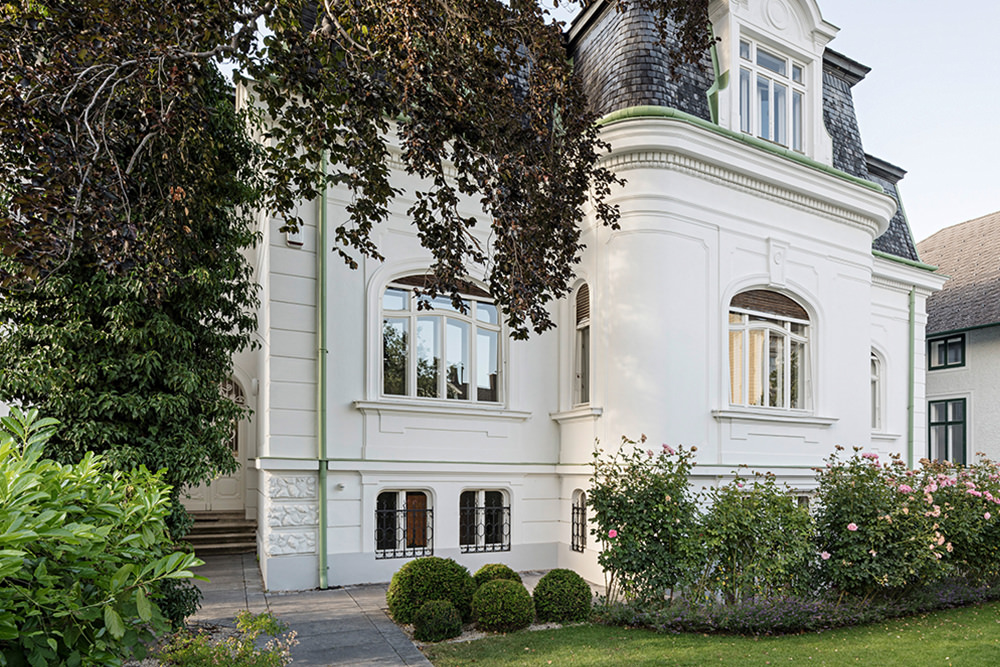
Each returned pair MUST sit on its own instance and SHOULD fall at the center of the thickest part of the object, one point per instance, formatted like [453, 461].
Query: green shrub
[436, 620]
[646, 518]
[562, 595]
[492, 571]
[757, 542]
[82, 554]
[503, 605]
[430, 578]
[875, 535]
[186, 650]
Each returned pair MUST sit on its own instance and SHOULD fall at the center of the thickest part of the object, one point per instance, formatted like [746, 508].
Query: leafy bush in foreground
[503, 605]
[562, 595]
[82, 553]
[492, 571]
[436, 620]
[425, 579]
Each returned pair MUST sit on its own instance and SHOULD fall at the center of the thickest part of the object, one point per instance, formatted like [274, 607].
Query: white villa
[762, 300]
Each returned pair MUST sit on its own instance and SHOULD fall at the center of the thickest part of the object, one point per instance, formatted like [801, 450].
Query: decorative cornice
[717, 173]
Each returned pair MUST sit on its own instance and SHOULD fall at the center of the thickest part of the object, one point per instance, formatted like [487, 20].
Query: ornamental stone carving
[286, 544]
[296, 514]
[291, 487]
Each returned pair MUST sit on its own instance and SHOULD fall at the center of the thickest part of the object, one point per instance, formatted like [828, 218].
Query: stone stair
[217, 533]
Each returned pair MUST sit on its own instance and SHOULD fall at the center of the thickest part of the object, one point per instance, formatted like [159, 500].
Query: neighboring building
[762, 300]
[963, 342]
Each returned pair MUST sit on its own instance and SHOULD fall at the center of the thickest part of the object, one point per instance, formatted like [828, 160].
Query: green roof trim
[669, 112]
[903, 260]
[972, 327]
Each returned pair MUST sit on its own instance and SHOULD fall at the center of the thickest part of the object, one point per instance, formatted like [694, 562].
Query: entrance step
[216, 533]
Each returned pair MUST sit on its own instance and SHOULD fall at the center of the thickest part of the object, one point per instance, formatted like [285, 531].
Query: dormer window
[772, 95]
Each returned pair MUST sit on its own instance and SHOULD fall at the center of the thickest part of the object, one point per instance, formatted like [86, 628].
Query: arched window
[768, 360]
[581, 347]
[483, 521]
[876, 369]
[440, 353]
[404, 524]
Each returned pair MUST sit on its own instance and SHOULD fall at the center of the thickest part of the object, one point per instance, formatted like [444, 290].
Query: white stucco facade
[705, 217]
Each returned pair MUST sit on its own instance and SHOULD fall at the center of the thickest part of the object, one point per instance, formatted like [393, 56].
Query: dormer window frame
[772, 93]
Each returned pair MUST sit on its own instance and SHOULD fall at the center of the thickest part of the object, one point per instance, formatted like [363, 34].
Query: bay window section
[440, 353]
[768, 337]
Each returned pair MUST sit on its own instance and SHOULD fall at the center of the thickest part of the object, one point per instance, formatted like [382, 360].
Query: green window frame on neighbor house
[946, 430]
[946, 352]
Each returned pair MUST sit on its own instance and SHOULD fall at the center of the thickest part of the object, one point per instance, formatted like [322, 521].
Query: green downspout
[321, 379]
[913, 376]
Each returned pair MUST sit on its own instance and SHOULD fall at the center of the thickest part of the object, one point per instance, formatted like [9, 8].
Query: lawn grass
[968, 636]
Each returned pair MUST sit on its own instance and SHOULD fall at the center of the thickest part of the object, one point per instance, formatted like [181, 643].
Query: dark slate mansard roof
[621, 62]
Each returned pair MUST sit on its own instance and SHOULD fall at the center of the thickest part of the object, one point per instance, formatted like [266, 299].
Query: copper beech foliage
[480, 94]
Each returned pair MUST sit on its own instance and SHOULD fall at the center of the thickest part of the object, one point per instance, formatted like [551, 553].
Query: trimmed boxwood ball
[430, 578]
[492, 571]
[436, 620]
[503, 605]
[562, 595]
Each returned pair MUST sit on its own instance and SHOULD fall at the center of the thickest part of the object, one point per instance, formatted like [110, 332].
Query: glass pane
[938, 443]
[583, 365]
[956, 440]
[428, 356]
[394, 345]
[937, 353]
[764, 107]
[442, 303]
[957, 409]
[395, 299]
[797, 121]
[467, 518]
[781, 114]
[736, 367]
[797, 375]
[776, 371]
[796, 73]
[486, 366]
[486, 312]
[416, 519]
[955, 351]
[874, 398]
[771, 61]
[457, 359]
[756, 371]
[745, 101]
[735, 318]
[744, 50]
[939, 412]
[385, 520]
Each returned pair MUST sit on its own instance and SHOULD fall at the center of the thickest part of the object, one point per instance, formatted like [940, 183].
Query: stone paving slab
[343, 626]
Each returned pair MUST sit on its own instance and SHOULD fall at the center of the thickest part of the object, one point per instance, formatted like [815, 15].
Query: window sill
[386, 406]
[576, 414]
[774, 417]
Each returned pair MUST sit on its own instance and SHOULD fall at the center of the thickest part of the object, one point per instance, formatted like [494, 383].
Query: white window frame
[750, 73]
[480, 545]
[481, 317]
[582, 344]
[877, 392]
[771, 325]
[401, 548]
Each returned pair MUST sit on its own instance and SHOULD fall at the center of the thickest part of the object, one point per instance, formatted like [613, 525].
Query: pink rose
[852, 527]
[668, 449]
[825, 555]
[612, 533]
[987, 516]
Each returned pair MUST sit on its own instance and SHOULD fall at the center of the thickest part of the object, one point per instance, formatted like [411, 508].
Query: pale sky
[931, 102]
